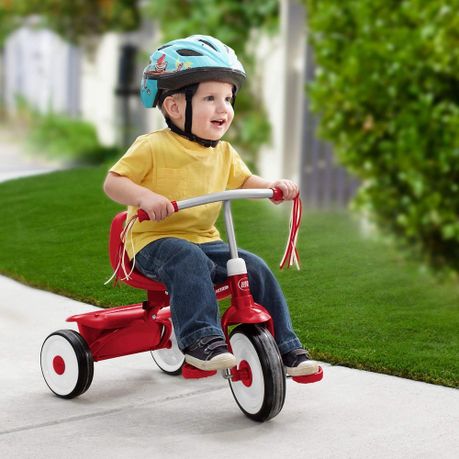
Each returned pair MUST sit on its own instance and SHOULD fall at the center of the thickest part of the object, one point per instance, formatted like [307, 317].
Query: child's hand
[156, 206]
[289, 189]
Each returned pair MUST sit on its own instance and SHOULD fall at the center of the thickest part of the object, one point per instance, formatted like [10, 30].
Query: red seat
[136, 280]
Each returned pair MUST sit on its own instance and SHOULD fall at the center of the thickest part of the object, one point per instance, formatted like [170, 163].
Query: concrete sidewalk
[133, 410]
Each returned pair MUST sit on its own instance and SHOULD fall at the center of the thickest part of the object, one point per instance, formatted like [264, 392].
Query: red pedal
[191, 372]
[306, 379]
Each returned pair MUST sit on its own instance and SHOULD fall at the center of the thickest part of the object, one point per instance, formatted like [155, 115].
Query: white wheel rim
[169, 359]
[61, 379]
[250, 398]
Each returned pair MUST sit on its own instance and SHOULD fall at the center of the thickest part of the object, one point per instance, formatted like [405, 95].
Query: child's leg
[187, 274]
[265, 291]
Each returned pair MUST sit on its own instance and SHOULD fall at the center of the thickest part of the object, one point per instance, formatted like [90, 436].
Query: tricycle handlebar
[290, 255]
[251, 193]
[230, 195]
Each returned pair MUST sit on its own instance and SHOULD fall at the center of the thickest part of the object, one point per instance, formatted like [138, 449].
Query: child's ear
[172, 107]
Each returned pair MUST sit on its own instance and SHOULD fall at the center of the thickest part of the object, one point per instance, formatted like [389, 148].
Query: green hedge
[68, 139]
[386, 90]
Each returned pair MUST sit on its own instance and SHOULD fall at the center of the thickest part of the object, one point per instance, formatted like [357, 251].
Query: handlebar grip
[278, 195]
[142, 215]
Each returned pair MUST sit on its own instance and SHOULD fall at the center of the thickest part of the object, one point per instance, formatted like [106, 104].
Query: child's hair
[180, 65]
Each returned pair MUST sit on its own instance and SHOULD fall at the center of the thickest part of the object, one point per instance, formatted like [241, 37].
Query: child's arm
[289, 188]
[125, 191]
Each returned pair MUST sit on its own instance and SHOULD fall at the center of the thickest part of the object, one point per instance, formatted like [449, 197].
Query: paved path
[15, 162]
[133, 410]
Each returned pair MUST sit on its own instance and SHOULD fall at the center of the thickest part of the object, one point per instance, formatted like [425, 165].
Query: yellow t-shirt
[178, 168]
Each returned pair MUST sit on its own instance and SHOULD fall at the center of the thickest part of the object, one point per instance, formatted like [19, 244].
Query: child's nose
[222, 106]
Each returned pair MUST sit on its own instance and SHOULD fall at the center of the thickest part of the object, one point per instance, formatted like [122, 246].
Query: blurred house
[50, 74]
[100, 84]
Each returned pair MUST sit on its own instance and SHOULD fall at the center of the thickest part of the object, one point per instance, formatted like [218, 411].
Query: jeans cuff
[288, 346]
[193, 337]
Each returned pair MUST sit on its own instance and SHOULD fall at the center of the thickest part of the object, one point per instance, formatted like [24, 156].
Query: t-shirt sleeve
[136, 162]
[239, 172]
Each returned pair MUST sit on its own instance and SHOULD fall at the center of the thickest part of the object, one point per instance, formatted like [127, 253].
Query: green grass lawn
[354, 302]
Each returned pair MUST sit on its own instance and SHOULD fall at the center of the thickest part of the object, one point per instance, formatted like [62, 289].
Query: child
[194, 82]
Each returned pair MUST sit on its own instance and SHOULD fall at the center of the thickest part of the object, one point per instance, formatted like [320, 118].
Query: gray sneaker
[210, 353]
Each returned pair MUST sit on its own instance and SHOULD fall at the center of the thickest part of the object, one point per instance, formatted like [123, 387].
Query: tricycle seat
[116, 248]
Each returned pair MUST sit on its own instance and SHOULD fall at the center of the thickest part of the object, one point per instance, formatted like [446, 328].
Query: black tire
[66, 363]
[264, 397]
[169, 360]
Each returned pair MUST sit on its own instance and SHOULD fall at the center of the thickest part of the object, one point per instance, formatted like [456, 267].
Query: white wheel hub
[59, 365]
[169, 359]
[251, 397]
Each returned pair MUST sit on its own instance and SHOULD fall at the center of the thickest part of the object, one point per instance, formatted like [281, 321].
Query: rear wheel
[260, 393]
[66, 363]
[170, 360]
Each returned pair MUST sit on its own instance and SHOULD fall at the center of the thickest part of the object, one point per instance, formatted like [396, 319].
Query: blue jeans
[189, 272]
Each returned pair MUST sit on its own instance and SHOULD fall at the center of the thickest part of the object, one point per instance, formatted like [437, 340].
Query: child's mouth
[218, 122]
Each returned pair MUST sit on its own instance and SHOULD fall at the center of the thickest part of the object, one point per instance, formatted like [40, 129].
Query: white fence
[42, 69]
[53, 75]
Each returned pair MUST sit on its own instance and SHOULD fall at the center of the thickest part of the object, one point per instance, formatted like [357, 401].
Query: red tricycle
[258, 382]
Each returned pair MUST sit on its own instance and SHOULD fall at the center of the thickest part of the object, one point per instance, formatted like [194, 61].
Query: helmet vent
[188, 52]
[208, 44]
[163, 47]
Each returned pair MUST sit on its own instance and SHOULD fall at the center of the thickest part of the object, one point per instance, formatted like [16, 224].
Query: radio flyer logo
[243, 284]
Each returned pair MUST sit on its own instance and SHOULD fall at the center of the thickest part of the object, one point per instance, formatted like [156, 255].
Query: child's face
[212, 110]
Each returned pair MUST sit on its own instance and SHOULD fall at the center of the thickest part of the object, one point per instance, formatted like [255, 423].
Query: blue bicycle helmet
[180, 65]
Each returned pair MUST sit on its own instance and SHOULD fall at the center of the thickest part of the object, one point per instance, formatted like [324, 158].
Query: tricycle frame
[147, 326]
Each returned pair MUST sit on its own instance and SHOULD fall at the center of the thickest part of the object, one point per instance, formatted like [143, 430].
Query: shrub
[68, 139]
[386, 90]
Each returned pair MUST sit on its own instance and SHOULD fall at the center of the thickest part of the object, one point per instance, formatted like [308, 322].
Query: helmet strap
[194, 138]
[189, 93]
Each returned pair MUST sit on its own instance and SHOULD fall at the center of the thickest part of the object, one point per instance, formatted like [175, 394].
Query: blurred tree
[386, 90]
[73, 20]
[232, 21]
[236, 23]
[8, 21]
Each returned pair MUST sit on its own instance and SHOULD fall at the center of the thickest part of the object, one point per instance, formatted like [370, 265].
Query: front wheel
[170, 360]
[260, 393]
[66, 363]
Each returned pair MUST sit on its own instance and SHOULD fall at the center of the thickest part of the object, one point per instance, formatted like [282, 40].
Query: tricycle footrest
[307, 379]
[191, 372]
